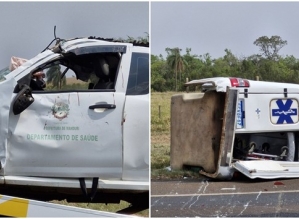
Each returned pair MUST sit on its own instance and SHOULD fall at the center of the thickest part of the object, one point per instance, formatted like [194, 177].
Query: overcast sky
[211, 27]
[28, 27]
[206, 27]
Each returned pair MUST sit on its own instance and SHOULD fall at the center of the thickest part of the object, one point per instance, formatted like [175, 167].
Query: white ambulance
[77, 116]
[234, 125]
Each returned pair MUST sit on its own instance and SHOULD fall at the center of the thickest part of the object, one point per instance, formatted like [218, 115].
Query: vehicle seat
[103, 72]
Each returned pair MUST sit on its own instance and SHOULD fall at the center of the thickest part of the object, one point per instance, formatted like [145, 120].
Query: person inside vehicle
[37, 81]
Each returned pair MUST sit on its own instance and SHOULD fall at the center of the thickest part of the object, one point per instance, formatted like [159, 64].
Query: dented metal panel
[80, 46]
[136, 129]
[59, 136]
[260, 134]
[218, 83]
[69, 134]
[228, 128]
[227, 137]
[6, 95]
[99, 49]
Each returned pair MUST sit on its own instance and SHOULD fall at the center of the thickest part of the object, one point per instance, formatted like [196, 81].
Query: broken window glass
[95, 71]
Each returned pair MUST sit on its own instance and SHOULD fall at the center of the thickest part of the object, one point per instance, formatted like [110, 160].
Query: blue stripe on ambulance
[240, 120]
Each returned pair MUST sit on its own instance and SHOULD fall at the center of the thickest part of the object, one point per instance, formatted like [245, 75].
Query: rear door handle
[105, 105]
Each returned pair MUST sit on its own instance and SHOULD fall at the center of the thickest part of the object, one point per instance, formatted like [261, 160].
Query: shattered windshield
[4, 72]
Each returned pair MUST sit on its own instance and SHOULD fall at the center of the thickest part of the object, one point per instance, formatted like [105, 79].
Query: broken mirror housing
[22, 100]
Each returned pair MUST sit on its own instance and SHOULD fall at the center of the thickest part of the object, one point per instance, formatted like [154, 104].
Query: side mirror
[22, 100]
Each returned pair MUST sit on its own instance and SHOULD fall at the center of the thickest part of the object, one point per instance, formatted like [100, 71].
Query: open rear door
[224, 161]
[203, 130]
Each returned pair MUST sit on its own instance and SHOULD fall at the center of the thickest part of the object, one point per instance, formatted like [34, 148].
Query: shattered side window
[78, 72]
[138, 83]
[60, 78]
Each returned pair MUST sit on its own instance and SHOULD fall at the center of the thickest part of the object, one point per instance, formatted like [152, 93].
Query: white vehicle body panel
[39, 147]
[73, 183]
[265, 111]
[268, 169]
[52, 141]
[136, 166]
[221, 83]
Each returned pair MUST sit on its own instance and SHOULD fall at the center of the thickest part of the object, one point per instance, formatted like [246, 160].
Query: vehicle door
[73, 127]
[202, 129]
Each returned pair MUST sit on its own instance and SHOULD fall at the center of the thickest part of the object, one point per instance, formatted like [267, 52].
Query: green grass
[164, 174]
[160, 139]
[160, 130]
[160, 156]
[160, 112]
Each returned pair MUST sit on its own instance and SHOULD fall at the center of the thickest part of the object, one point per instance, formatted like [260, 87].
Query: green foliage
[54, 77]
[176, 62]
[160, 156]
[141, 39]
[76, 86]
[158, 77]
[170, 74]
[270, 46]
[160, 112]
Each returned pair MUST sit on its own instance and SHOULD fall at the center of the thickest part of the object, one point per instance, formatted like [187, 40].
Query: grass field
[160, 138]
[160, 130]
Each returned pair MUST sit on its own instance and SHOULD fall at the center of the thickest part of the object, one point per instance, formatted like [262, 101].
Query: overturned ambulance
[234, 125]
[77, 116]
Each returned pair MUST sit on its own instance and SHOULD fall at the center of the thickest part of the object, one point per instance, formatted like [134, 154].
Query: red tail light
[239, 82]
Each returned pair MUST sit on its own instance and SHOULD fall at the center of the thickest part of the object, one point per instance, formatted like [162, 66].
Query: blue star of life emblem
[284, 111]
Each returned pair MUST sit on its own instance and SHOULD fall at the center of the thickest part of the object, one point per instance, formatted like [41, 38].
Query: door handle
[105, 105]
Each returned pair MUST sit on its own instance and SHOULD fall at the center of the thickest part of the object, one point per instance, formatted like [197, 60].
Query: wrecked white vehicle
[77, 116]
[237, 125]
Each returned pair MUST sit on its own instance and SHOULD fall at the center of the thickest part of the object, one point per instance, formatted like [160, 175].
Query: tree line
[170, 73]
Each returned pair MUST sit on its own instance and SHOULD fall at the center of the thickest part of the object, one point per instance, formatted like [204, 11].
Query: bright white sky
[28, 27]
[211, 27]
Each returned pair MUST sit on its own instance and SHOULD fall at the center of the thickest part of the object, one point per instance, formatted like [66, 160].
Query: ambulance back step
[267, 169]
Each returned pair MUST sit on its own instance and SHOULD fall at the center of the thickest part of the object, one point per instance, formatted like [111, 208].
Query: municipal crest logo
[284, 111]
[60, 110]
